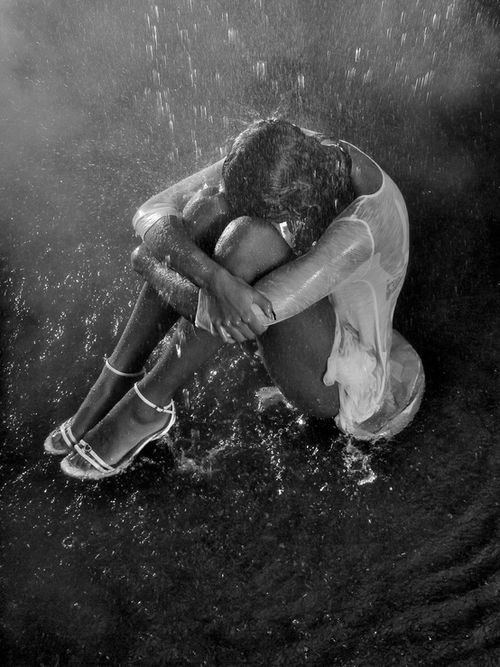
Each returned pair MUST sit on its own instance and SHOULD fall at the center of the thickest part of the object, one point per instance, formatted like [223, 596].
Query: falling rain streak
[283, 542]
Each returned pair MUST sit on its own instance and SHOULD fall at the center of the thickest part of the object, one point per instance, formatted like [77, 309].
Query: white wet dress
[379, 374]
[360, 263]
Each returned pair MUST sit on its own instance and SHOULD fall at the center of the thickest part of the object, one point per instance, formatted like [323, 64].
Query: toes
[75, 466]
[55, 443]
[76, 461]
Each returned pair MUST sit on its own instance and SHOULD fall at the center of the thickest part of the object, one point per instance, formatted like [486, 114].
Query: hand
[233, 309]
[209, 317]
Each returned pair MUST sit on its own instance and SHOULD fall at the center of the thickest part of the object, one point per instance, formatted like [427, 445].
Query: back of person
[380, 376]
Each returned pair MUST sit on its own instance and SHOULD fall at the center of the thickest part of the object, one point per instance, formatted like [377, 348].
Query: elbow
[143, 222]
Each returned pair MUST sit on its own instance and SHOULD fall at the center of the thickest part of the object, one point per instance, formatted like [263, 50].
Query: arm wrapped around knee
[342, 253]
[210, 316]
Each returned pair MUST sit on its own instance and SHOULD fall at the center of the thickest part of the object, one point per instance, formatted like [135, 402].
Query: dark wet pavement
[250, 540]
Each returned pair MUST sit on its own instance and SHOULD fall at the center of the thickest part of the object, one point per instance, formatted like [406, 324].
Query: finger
[237, 328]
[236, 334]
[247, 331]
[264, 303]
[233, 321]
[224, 335]
[255, 323]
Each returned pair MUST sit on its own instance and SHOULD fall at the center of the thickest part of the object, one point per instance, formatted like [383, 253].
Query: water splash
[357, 464]
[199, 468]
[268, 397]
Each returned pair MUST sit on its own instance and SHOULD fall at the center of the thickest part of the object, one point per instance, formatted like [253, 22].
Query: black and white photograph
[249, 315]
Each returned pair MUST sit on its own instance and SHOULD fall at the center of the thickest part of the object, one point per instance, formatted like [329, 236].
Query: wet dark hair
[274, 168]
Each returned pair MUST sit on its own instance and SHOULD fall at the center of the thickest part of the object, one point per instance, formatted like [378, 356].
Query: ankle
[123, 367]
[144, 415]
[150, 406]
[83, 420]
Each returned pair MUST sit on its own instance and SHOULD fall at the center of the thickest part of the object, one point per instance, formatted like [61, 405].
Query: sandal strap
[87, 453]
[170, 408]
[67, 434]
[121, 373]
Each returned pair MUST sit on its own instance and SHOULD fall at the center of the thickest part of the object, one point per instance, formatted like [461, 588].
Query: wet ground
[257, 538]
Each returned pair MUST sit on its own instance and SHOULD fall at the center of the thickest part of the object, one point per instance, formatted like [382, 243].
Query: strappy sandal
[99, 469]
[53, 444]
[58, 447]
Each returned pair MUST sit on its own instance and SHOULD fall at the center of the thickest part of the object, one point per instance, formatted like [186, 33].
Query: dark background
[251, 539]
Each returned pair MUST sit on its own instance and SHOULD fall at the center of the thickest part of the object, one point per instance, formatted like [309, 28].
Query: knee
[249, 247]
[242, 235]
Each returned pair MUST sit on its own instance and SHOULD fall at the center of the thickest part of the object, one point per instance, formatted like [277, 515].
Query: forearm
[169, 242]
[292, 289]
[173, 289]
[341, 252]
[169, 229]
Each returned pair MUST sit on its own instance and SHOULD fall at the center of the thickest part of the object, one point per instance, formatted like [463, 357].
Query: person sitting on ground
[293, 239]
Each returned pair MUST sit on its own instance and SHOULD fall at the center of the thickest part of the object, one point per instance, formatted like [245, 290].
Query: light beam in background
[105, 103]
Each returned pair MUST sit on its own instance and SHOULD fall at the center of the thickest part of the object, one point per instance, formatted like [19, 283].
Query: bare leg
[295, 353]
[149, 322]
[249, 248]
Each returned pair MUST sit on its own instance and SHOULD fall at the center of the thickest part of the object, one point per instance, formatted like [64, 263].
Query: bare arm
[204, 217]
[173, 289]
[168, 236]
[341, 251]
[182, 295]
[171, 202]
[170, 242]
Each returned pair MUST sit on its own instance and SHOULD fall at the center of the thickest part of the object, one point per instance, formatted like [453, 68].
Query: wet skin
[296, 360]
[251, 248]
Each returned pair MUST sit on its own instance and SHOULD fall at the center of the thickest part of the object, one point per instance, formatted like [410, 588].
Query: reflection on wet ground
[252, 537]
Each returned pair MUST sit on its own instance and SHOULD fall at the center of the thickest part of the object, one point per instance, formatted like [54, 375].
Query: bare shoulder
[177, 195]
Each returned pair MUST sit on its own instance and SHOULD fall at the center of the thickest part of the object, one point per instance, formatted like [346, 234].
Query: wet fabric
[143, 220]
[172, 200]
[379, 374]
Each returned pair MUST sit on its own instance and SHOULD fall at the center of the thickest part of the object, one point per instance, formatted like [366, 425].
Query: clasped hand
[229, 307]
[233, 309]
